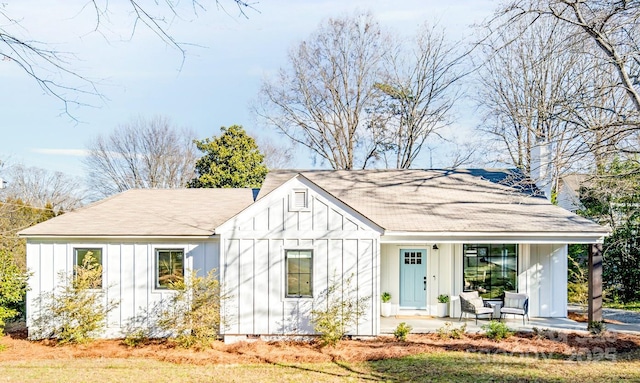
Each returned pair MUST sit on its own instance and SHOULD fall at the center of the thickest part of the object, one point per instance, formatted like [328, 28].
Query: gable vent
[300, 199]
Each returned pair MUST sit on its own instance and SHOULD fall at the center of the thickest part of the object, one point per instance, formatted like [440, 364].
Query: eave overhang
[493, 237]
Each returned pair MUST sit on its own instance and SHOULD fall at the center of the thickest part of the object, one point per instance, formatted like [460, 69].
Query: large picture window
[299, 273]
[170, 267]
[490, 269]
[89, 258]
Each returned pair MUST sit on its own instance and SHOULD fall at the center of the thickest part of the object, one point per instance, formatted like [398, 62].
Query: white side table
[496, 306]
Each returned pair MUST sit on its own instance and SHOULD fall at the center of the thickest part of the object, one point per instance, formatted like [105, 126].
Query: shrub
[193, 312]
[449, 332]
[497, 330]
[597, 327]
[386, 297]
[443, 298]
[13, 286]
[78, 312]
[577, 292]
[402, 331]
[337, 309]
[136, 338]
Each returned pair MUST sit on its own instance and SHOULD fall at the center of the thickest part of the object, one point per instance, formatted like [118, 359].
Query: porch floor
[425, 324]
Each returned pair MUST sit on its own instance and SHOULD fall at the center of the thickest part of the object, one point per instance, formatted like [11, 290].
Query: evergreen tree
[231, 160]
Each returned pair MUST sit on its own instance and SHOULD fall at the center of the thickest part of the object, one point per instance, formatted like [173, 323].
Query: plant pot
[442, 310]
[385, 309]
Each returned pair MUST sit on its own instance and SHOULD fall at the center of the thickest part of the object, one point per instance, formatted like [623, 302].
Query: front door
[413, 279]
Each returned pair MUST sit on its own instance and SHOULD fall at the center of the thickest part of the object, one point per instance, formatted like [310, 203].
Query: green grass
[432, 367]
[632, 306]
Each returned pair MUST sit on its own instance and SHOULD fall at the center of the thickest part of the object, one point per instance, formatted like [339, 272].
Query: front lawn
[546, 356]
[429, 367]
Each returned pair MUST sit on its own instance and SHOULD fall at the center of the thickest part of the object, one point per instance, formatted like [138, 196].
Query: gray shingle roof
[473, 200]
[491, 201]
[150, 212]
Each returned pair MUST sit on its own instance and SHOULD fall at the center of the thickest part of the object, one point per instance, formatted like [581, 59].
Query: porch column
[595, 283]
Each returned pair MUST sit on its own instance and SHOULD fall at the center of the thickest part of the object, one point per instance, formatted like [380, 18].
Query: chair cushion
[484, 310]
[478, 303]
[513, 300]
[507, 310]
[469, 295]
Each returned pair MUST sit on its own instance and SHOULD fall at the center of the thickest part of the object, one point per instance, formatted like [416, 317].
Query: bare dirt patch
[548, 343]
[583, 318]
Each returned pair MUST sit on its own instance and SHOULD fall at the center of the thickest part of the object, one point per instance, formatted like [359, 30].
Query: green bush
[597, 327]
[13, 287]
[193, 312]
[401, 332]
[77, 313]
[443, 298]
[449, 332]
[136, 338]
[386, 297]
[337, 309]
[497, 330]
[577, 292]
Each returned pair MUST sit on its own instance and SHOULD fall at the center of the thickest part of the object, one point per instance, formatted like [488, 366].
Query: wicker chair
[517, 304]
[472, 303]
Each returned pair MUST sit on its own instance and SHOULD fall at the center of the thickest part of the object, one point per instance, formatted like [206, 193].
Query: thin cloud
[62, 152]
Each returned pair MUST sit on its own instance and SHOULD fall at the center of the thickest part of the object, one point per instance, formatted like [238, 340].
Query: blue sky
[226, 59]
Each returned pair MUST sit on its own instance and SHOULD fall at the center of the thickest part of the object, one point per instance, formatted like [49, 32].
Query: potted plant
[443, 306]
[385, 308]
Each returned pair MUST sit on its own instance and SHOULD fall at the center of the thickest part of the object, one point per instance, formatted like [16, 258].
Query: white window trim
[74, 261]
[292, 200]
[288, 297]
[156, 270]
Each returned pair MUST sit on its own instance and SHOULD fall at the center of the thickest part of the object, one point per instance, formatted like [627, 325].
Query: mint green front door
[413, 278]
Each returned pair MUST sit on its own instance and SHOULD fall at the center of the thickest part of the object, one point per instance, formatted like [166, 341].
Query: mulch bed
[544, 343]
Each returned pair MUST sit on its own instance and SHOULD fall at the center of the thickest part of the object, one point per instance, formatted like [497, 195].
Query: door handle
[425, 283]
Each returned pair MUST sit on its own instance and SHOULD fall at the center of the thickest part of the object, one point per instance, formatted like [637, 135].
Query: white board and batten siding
[295, 216]
[542, 275]
[129, 269]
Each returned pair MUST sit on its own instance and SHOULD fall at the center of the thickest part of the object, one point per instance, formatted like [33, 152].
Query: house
[568, 195]
[413, 233]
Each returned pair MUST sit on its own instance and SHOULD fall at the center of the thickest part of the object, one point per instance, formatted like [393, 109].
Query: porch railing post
[595, 283]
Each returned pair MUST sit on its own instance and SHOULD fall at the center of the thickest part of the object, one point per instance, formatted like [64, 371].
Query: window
[490, 269]
[299, 272]
[299, 200]
[170, 267]
[89, 258]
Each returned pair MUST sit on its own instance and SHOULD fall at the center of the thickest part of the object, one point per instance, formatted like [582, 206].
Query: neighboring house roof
[399, 201]
[568, 193]
[461, 200]
[574, 181]
[150, 212]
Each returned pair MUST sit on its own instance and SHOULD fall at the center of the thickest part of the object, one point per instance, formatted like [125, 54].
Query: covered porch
[415, 272]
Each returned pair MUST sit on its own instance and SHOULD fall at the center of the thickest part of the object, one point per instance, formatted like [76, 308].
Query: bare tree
[39, 188]
[321, 100]
[613, 27]
[33, 195]
[53, 70]
[277, 155]
[141, 154]
[525, 86]
[417, 92]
